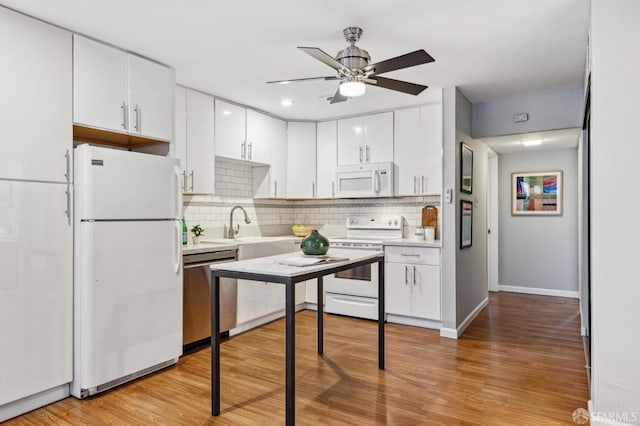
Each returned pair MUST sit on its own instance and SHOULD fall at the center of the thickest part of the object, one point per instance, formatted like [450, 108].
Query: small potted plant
[197, 232]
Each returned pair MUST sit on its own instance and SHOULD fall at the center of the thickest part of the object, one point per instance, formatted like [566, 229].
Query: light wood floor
[520, 363]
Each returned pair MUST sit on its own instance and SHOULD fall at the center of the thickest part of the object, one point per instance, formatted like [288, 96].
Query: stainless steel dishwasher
[196, 299]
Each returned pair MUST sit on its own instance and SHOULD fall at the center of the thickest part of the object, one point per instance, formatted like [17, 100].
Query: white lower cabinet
[412, 283]
[260, 302]
[36, 293]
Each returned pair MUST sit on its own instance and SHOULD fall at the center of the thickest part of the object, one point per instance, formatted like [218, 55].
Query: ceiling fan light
[352, 89]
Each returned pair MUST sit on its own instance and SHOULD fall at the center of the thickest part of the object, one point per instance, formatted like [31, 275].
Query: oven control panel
[374, 222]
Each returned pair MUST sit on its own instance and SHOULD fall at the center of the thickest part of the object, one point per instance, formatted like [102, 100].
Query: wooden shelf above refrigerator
[106, 137]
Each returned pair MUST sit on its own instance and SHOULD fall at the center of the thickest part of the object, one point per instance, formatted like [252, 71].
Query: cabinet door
[430, 137]
[311, 291]
[408, 151]
[274, 297]
[350, 141]
[301, 161]
[180, 126]
[252, 297]
[36, 285]
[100, 96]
[200, 152]
[378, 137]
[278, 184]
[230, 130]
[258, 137]
[397, 279]
[35, 99]
[327, 159]
[425, 286]
[151, 98]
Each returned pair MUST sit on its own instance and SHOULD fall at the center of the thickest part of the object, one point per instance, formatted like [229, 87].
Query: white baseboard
[540, 291]
[451, 333]
[24, 405]
[415, 322]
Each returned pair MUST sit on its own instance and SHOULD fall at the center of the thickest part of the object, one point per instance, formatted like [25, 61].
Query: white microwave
[365, 180]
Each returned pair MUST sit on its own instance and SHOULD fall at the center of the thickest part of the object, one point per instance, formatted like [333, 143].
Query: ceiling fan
[354, 70]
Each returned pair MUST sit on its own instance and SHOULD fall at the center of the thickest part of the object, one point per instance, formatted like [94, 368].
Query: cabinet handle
[333, 189]
[360, 153]
[415, 184]
[136, 109]
[250, 150]
[313, 189]
[422, 184]
[184, 181]
[409, 254]
[368, 151]
[242, 151]
[67, 160]
[192, 178]
[414, 275]
[406, 275]
[67, 212]
[275, 188]
[123, 108]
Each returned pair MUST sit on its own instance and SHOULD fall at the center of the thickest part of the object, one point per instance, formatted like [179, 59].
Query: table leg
[381, 314]
[215, 346]
[320, 317]
[290, 354]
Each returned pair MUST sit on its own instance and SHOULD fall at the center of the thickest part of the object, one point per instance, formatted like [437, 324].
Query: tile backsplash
[275, 217]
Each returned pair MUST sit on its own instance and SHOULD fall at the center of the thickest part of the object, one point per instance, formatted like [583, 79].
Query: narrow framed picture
[536, 193]
[466, 223]
[466, 168]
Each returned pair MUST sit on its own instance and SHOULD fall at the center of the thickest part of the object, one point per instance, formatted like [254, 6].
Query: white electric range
[355, 292]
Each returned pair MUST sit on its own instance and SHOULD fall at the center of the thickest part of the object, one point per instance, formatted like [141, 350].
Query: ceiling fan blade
[325, 58]
[292, 80]
[408, 60]
[338, 97]
[397, 85]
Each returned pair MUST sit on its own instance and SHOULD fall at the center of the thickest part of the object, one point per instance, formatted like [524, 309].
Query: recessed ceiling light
[226, 112]
[284, 82]
[286, 102]
[533, 142]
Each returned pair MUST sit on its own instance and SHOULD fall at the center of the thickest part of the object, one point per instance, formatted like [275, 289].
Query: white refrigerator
[128, 267]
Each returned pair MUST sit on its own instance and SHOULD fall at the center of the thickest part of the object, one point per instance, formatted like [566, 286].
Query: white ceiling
[553, 139]
[491, 48]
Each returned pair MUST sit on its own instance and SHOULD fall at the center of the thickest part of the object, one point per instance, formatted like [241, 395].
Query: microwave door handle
[376, 181]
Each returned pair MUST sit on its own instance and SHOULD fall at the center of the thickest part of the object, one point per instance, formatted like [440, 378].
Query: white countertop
[270, 266]
[207, 247]
[412, 242]
[219, 244]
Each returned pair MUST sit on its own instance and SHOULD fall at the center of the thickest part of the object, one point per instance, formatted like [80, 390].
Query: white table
[270, 270]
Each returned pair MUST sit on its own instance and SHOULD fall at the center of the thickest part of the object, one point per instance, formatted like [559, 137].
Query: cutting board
[430, 218]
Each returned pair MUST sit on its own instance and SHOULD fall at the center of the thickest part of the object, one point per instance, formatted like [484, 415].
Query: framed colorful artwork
[536, 193]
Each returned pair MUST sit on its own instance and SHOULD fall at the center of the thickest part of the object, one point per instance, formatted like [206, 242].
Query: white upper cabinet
[365, 139]
[327, 158]
[100, 92]
[180, 128]
[230, 130]
[301, 161]
[418, 150]
[200, 176]
[121, 92]
[271, 181]
[150, 98]
[259, 137]
[35, 99]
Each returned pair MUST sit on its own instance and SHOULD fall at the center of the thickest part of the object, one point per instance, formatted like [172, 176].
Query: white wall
[615, 207]
[539, 254]
[547, 111]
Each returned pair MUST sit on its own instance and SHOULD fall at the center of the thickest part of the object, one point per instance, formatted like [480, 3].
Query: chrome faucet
[231, 233]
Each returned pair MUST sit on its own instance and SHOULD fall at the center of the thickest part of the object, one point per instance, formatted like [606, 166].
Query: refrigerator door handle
[178, 176]
[178, 245]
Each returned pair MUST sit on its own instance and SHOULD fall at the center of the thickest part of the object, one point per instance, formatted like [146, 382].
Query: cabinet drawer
[413, 255]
